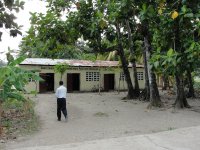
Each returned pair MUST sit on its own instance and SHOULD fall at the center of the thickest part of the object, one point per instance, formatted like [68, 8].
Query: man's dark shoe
[59, 119]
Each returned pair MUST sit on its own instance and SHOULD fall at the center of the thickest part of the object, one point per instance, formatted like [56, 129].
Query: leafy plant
[12, 104]
[13, 80]
[60, 68]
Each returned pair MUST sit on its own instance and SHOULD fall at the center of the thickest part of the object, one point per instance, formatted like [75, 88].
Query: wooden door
[76, 81]
[109, 82]
[69, 82]
[106, 82]
[42, 84]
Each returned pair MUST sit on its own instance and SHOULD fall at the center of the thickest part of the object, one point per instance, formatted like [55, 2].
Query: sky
[22, 19]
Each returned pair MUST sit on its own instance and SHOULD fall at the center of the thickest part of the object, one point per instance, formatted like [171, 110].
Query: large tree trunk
[190, 84]
[137, 89]
[181, 101]
[133, 61]
[147, 88]
[154, 93]
[125, 65]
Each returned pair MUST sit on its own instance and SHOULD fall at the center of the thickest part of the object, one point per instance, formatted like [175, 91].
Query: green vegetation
[16, 111]
[165, 34]
[101, 114]
[13, 79]
[18, 118]
[171, 128]
[60, 68]
[7, 16]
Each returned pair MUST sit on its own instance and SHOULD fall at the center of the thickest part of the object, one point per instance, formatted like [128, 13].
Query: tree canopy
[167, 32]
[7, 16]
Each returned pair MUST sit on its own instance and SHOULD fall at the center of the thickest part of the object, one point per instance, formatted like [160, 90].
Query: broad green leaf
[160, 11]
[17, 61]
[192, 46]
[4, 71]
[156, 64]
[189, 15]
[144, 7]
[164, 62]
[184, 9]
[170, 52]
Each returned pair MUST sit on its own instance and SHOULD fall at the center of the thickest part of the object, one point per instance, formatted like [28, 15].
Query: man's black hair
[61, 83]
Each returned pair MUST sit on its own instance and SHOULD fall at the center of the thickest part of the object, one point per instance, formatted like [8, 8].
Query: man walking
[61, 93]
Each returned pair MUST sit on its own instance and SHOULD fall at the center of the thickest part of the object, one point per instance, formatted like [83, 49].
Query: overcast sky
[22, 19]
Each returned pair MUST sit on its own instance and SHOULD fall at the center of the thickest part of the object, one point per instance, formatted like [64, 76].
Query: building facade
[80, 76]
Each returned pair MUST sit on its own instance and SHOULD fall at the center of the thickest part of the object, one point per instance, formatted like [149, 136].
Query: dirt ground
[93, 116]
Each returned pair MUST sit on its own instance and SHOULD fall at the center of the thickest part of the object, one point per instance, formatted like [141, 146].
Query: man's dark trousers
[61, 106]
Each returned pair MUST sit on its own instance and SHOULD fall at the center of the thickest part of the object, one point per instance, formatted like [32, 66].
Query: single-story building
[80, 76]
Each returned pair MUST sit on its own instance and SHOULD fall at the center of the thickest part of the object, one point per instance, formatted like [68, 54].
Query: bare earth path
[93, 116]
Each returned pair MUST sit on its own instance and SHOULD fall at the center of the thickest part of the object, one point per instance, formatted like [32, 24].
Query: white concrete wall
[84, 85]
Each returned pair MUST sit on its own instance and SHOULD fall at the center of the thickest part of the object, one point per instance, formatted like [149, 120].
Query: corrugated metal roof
[75, 63]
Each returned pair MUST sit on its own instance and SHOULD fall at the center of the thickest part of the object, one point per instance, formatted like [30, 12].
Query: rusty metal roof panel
[75, 63]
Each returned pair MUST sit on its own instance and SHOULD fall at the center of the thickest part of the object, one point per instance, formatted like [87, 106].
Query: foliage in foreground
[16, 112]
[13, 80]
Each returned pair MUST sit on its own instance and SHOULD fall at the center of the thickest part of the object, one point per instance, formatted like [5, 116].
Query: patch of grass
[101, 114]
[18, 118]
[7, 123]
[127, 132]
[31, 125]
[171, 128]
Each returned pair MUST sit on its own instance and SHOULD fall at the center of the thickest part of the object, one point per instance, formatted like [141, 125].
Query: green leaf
[144, 6]
[170, 52]
[192, 46]
[16, 95]
[151, 11]
[156, 64]
[17, 61]
[189, 15]
[164, 62]
[103, 24]
[184, 9]
[4, 72]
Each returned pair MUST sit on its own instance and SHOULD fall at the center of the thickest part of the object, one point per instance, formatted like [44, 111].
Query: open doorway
[109, 82]
[48, 84]
[73, 82]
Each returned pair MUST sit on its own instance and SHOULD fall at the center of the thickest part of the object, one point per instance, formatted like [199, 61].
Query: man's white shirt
[61, 92]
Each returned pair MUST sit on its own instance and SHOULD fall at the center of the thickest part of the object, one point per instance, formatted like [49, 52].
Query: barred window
[140, 75]
[96, 76]
[89, 76]
[92, 76]
[122, 76]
